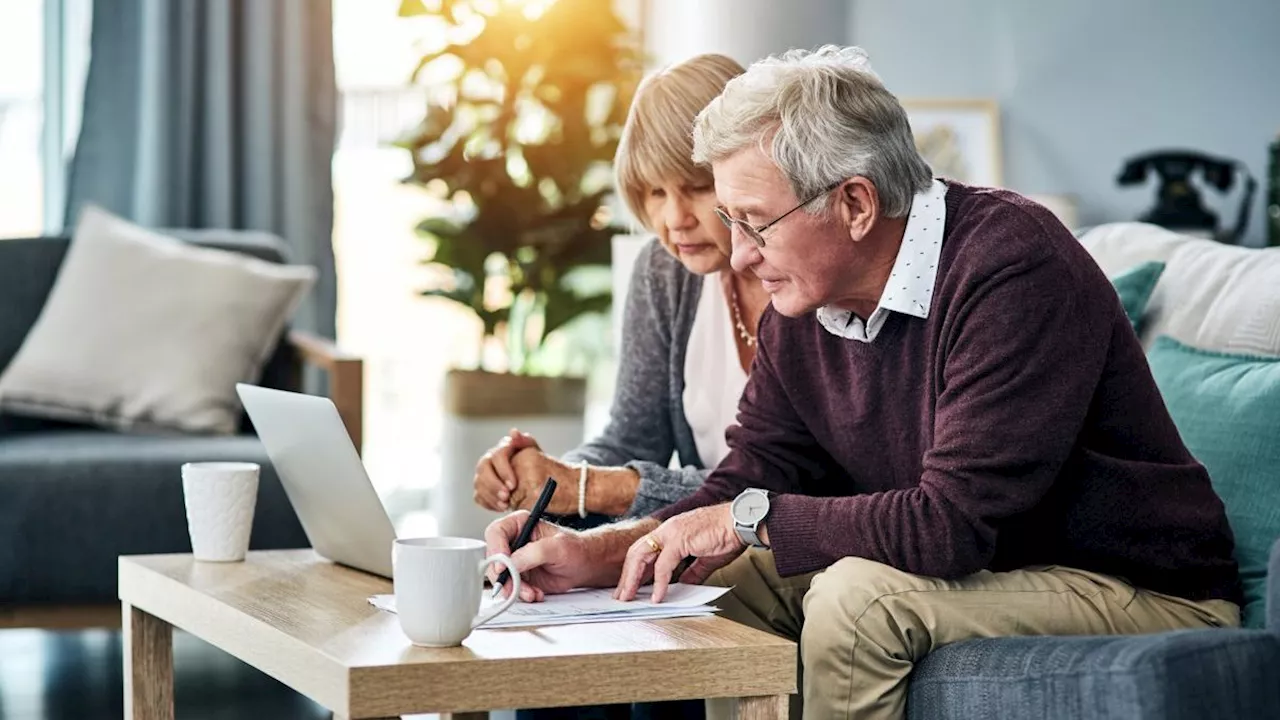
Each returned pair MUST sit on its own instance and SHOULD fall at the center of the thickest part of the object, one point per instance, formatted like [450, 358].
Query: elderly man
[950, 430]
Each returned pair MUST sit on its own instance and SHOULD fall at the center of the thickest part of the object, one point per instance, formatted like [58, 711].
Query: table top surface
[307, 622]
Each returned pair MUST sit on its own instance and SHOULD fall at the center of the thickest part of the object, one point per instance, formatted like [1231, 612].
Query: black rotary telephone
[1178, 203]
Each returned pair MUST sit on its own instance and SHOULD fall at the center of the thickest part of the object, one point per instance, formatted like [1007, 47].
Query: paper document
[597, 605]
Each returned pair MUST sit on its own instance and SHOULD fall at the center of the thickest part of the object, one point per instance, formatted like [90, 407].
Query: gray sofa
[73, 498]
[1212, 296]
[1185, 675]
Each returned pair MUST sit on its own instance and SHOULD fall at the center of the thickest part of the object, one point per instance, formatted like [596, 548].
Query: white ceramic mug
[438, 585]
[220, 498]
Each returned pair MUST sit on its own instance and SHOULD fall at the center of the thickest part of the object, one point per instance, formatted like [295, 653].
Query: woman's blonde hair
[657, 141]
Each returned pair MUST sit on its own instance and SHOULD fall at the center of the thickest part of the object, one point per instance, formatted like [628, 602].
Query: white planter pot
[480, 408]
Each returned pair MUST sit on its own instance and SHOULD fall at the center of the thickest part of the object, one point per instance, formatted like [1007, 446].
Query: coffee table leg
[148, 665]
[763, 707]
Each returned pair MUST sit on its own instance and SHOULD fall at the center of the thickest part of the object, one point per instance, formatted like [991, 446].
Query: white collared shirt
[910, 286]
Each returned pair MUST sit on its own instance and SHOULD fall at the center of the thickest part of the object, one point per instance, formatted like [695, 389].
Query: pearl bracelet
[582, 489]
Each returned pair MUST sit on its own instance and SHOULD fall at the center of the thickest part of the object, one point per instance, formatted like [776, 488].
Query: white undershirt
[910, 287]
[713, 376]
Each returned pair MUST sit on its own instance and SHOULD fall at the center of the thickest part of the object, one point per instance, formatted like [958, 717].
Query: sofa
[1225, 300]
[73, 498]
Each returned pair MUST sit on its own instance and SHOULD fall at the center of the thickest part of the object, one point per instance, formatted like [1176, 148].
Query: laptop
[322, 474]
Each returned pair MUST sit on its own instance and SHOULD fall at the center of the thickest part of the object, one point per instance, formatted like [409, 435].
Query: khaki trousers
[862, 625]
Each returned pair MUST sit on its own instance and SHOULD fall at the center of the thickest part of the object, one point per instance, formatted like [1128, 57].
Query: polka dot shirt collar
[910, 287]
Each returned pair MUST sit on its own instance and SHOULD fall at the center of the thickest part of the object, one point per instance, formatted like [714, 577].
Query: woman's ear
[859, 206]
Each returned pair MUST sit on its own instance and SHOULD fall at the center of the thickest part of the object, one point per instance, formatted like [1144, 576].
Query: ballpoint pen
[526, 532]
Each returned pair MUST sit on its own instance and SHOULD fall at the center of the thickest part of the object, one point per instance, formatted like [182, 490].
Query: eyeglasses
[756, 233]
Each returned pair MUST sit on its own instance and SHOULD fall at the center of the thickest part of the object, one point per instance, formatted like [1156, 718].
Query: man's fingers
[532, 556]
[625, 590]
[663, 568]
[700, 570]
[501, 533]
[639, 557]
[528, 591]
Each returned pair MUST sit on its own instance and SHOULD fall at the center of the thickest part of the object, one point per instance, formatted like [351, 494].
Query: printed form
[594, 605]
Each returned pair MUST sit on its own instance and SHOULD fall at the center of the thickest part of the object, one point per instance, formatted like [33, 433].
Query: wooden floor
[76, 675]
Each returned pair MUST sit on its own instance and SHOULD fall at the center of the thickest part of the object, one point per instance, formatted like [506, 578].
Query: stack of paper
[591, 606]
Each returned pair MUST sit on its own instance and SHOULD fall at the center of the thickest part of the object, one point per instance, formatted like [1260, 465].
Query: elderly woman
[689, 336]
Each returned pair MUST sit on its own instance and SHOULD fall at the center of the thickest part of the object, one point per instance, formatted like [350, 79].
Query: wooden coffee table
[306, 622]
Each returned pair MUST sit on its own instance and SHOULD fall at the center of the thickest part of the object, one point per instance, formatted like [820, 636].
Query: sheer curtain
[217, 113]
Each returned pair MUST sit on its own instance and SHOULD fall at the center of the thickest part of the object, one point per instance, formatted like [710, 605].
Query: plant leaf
[563, 306]
[410, 8]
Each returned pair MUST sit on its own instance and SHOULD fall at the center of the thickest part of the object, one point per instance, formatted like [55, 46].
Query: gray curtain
[215, 114]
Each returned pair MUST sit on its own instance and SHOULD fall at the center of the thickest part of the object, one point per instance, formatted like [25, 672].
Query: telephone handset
[1178, 204]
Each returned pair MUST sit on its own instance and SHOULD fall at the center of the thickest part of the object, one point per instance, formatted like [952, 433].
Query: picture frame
[958, 137]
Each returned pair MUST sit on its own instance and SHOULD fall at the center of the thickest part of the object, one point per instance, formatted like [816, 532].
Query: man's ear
[859, 206]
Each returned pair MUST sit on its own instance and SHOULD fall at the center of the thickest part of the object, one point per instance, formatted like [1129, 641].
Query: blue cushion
[1227, 408]
[1135, 287]
[1185, 675]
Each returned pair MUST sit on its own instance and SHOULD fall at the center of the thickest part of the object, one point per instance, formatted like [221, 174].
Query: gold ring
[654, 544]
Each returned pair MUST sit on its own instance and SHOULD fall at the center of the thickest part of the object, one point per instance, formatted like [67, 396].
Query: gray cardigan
[647, 421]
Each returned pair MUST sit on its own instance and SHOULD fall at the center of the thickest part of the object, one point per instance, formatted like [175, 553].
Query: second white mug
[220, 499]
[438, 585]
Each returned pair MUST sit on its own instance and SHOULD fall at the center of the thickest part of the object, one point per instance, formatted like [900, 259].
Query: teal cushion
[1227, 408]
[1135, 286]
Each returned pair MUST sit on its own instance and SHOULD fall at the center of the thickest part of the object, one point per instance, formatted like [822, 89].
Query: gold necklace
[747, 337]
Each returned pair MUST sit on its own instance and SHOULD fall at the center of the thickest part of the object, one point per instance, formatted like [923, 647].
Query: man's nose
[745, 254]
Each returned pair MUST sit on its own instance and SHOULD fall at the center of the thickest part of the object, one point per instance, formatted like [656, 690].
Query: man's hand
[706, 534]
[554, 561]
[557, 559]
[495, 479]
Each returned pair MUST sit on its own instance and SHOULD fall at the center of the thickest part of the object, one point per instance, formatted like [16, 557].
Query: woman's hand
[495, 478]
[532, 467]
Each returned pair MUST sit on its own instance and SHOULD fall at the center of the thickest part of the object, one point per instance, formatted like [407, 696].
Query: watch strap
[749, 535]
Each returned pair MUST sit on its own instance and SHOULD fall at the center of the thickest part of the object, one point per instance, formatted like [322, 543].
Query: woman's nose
[679, 214]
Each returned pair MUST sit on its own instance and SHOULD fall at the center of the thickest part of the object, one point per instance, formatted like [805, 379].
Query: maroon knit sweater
[1018, 424]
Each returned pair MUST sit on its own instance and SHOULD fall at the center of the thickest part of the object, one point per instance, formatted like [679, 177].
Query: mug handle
[515, 588]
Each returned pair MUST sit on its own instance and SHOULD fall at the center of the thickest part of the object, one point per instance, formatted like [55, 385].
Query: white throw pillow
[146, 332]
[1210, 296]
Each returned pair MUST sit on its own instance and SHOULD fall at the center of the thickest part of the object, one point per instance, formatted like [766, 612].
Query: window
[44, 57]
[404, 338]
[21, 118]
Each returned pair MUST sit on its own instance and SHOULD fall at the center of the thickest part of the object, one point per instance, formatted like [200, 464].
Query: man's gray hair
[826, 117]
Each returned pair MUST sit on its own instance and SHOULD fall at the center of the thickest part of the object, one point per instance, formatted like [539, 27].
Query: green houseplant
[526, 105]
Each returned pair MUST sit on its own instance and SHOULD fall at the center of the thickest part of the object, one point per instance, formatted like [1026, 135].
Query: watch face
[750, 507]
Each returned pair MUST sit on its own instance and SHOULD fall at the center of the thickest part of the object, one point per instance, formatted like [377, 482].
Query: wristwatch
[750, 509]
